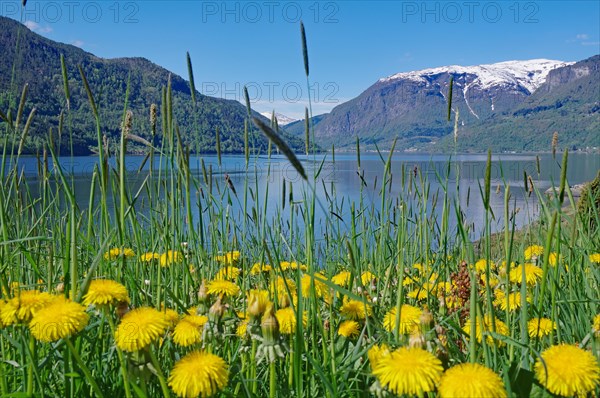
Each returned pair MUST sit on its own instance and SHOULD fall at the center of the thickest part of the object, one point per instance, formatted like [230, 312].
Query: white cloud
[78, 43]
[583, 39]
[36, 27]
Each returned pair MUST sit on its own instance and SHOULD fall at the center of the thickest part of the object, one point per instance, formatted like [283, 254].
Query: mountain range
[506, 106]
[28, 58]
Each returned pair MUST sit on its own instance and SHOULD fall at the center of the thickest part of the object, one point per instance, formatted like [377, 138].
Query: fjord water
[341, 182]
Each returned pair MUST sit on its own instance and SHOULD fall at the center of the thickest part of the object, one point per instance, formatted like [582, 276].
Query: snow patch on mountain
[282, 119]
[527, 74]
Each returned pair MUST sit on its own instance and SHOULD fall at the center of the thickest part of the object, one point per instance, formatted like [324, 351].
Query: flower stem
[121, 359]
[272, 380]
[31, 365]
[84, 369]
[159, 373]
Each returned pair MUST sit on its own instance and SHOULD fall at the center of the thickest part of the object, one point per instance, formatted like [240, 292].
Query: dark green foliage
[37, 61]
[588, 206]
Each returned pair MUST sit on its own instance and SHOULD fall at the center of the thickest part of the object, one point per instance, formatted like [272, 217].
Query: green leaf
[521, 380]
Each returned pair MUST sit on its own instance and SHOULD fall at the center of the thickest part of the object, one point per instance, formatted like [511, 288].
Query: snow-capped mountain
[413, 105]
[528, 74]
[282, 119]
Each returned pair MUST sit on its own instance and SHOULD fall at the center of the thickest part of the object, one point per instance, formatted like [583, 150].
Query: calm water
[340, 181]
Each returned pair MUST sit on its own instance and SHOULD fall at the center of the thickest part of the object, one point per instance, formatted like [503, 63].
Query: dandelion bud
[284, 301]
[426, 320]
[216, 311]
[270, 327]
[254, 306]
[417, 339]
[202, 292]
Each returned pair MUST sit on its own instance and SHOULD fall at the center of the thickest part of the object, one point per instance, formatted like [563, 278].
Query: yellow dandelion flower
[199, 374]
[228, 273]
[376, 352]
[367, 277]
[228, 258]
[471, 380]
[355, 309]
[409, 319]
[349, 329]
[494, 281]
[342, 278]
[192, 310]
[281, 285]
[139, 328]
[293, 265]
[422, 292]
[242, 328]
[169, 258]
[408, 281]
[14, 287]
[61, 318]
[418, 267]
[533, 274]
[596, 325]
[554, 258]
[149, 257]
[513, 303]
[2, 306]
[8, 314]
[23, 306]
[595, 258]
[171, 316]
[105, 292]
[189, 330]
[567, 370]
[443, 289]
[539, 327]
[218, 287]
[116, 252]
[112, 254]
[287, 320]
[259, 268]
[480, 265]
[503, 269]
[533, 251]
[307, 282]
[501, 329]
[410, 371]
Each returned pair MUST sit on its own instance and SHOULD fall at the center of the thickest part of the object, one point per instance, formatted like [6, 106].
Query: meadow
[106, 300]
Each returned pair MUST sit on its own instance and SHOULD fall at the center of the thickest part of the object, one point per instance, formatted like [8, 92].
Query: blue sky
[351, 43]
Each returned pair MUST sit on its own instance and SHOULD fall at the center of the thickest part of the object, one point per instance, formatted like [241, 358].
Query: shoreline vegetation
[108, 300]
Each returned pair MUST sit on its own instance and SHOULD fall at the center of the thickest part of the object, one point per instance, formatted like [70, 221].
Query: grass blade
[283, 147]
